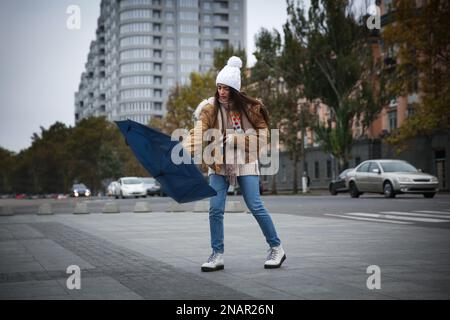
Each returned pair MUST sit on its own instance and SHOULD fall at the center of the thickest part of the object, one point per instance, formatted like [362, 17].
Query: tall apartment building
[143, 48]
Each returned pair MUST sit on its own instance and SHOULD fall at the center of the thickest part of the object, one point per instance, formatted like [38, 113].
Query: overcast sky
[41, 60]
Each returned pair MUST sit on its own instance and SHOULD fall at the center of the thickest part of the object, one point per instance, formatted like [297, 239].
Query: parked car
[152, 186]
[390, 177]
[113, 189]
[79, 190]
[339, 184]
[131, 187]
[234, 190]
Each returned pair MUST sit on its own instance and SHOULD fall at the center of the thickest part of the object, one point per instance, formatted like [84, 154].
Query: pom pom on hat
[230, 75]
[235, 62]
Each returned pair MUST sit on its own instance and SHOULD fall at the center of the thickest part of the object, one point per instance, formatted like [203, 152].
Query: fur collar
[200, 107]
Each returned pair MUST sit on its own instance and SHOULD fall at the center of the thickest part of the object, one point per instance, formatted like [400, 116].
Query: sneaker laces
[273, 254]
[213, 257]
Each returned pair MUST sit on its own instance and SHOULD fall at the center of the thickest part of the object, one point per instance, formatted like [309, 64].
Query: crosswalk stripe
[432, 211]
[401, 213]
[367, 219]
[387, 216]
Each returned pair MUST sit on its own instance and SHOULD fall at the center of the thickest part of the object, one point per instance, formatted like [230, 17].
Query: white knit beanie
[230, 75]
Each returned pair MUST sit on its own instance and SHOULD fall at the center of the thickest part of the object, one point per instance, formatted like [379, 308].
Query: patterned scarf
[233, 121]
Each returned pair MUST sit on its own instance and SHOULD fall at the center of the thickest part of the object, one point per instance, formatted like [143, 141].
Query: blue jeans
[250, 190]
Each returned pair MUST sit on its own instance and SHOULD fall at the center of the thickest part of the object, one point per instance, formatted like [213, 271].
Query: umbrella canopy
[182, 182]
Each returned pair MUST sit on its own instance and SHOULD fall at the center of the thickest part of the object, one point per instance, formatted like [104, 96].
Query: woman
[232, 109]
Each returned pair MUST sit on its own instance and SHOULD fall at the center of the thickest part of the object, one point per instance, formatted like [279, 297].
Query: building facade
[143, 48]
[430, 154]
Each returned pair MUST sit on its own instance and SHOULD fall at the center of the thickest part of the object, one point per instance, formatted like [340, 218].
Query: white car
[131, 187]
[114, 189]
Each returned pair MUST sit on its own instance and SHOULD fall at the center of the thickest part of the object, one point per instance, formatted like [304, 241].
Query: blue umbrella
[182, 182]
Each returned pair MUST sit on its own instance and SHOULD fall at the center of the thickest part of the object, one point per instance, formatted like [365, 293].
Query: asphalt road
[403, 210]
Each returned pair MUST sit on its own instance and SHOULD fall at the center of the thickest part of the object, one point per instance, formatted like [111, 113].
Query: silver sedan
[390, 177]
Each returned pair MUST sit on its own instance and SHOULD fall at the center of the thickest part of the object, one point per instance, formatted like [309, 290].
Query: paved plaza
[157, 255]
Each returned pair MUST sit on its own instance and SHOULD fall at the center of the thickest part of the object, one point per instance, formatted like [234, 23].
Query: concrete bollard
[45, 209]
[201, 206]
[234, 206]
[142, 207]
[111, 207]
[177, 207]
[81, 208]
[6, 211]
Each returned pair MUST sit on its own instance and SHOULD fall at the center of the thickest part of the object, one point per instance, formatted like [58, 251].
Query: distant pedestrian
[232, 109]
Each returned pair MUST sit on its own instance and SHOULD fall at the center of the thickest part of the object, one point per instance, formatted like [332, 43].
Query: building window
[157, 66]
[156, 14]
[328, 168]
[316, 169]
[157, 93]
[188, 3]
[188, 28]
[207, 56]
[170, 68]
[189, 42]
[207, 44]
[156, 27]
[136, 67]
[206, 18]
[221, 17]
[157, 106]
[157, 53]
[392, 119]
[156, 40]
[220, 5]
[169, 15]
[189, 55]
[135, 93]
[189, 67]
[170, 55]
[170, 28]
[135, 54]
[409, 110]
[220, 30]
[170, 42]
[170, 82]
[135, 40]
[135, 27]
[220, 44]
[207, 5]
[157, 80]
[135, 14]
[136, 80]
[188, 15]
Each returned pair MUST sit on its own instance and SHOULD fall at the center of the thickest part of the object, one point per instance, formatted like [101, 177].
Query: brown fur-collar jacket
[207, 116]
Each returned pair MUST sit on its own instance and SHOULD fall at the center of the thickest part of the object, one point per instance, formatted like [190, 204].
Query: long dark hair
[241, 102]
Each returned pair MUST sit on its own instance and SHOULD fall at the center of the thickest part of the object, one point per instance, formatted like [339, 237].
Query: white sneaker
[275, 258]
[215, 262]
